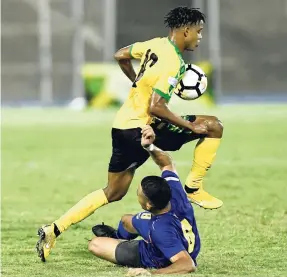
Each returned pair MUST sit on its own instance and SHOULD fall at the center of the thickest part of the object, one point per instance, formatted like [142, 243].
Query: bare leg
[104, 248]
[118, 184]
[213, 124]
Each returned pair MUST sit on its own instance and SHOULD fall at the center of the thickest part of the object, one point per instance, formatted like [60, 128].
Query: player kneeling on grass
[170, 242]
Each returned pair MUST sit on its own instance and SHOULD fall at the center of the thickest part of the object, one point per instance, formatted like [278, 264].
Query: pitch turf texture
[51, 158]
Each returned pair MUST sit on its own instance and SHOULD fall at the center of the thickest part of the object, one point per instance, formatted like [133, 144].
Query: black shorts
[127, 149]
[127, 254]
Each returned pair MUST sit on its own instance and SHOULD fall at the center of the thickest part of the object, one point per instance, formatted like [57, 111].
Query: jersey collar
[155, 217]
[175, 47]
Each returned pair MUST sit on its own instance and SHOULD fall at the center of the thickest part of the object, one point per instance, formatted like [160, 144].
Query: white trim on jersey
[171, 179]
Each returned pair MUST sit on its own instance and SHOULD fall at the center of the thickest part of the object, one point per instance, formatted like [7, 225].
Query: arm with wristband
[160, 157]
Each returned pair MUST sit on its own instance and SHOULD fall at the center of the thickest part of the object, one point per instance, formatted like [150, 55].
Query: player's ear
[186, 31]
[148, 206]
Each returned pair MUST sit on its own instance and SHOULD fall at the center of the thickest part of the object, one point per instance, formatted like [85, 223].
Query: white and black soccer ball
[193, 84]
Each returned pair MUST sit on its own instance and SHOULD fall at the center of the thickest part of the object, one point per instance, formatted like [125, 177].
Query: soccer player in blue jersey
[171, 241]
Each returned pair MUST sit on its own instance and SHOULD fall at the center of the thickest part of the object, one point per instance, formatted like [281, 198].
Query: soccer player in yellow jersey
[162, 67]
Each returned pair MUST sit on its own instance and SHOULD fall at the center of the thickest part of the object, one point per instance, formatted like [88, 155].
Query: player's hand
[138, 272]
[148, 136]
[198, 128]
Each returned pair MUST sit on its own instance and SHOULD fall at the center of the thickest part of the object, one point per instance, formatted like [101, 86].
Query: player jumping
[170, 242]
[162, 67]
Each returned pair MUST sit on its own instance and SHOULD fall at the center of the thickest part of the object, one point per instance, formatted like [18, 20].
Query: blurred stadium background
[45, 44]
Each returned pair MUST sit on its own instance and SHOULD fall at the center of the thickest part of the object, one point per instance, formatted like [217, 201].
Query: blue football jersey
[167, 234]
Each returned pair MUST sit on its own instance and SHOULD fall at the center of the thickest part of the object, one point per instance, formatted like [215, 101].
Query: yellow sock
[204, 155]
[82, 209]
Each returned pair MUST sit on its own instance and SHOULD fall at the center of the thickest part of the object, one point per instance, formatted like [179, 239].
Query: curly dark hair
[183, 16]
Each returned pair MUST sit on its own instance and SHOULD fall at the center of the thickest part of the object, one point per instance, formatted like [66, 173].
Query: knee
[114, 194]
[215, 127]
[94, 246]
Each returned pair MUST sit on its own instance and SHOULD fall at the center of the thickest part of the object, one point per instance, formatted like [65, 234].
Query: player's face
[193, 36]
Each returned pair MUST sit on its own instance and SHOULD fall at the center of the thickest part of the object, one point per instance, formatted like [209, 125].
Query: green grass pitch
[51, 158]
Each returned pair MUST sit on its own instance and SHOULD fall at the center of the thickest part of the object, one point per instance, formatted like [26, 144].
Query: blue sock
[122, 233]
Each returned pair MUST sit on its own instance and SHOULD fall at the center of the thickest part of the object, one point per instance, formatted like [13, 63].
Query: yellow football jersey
[161, 68]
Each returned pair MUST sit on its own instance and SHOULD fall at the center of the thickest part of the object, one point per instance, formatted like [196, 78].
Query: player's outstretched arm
[158, 107]
[123, 57]
[181, 263]
[160, 157]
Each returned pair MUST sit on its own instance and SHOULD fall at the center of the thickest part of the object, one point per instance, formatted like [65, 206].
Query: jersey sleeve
[166, 83]
[172, 179]
[140, 222]
[167, 241]
[138, 49]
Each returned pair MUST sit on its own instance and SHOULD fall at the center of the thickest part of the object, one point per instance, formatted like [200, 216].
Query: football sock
[204, 155]
[82, 209]
[122, 233]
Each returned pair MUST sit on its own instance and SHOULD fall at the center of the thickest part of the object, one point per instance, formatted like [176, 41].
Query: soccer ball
[193, 83]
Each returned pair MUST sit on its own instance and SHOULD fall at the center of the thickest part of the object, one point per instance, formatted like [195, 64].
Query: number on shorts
[148, 57]
[188, 234]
